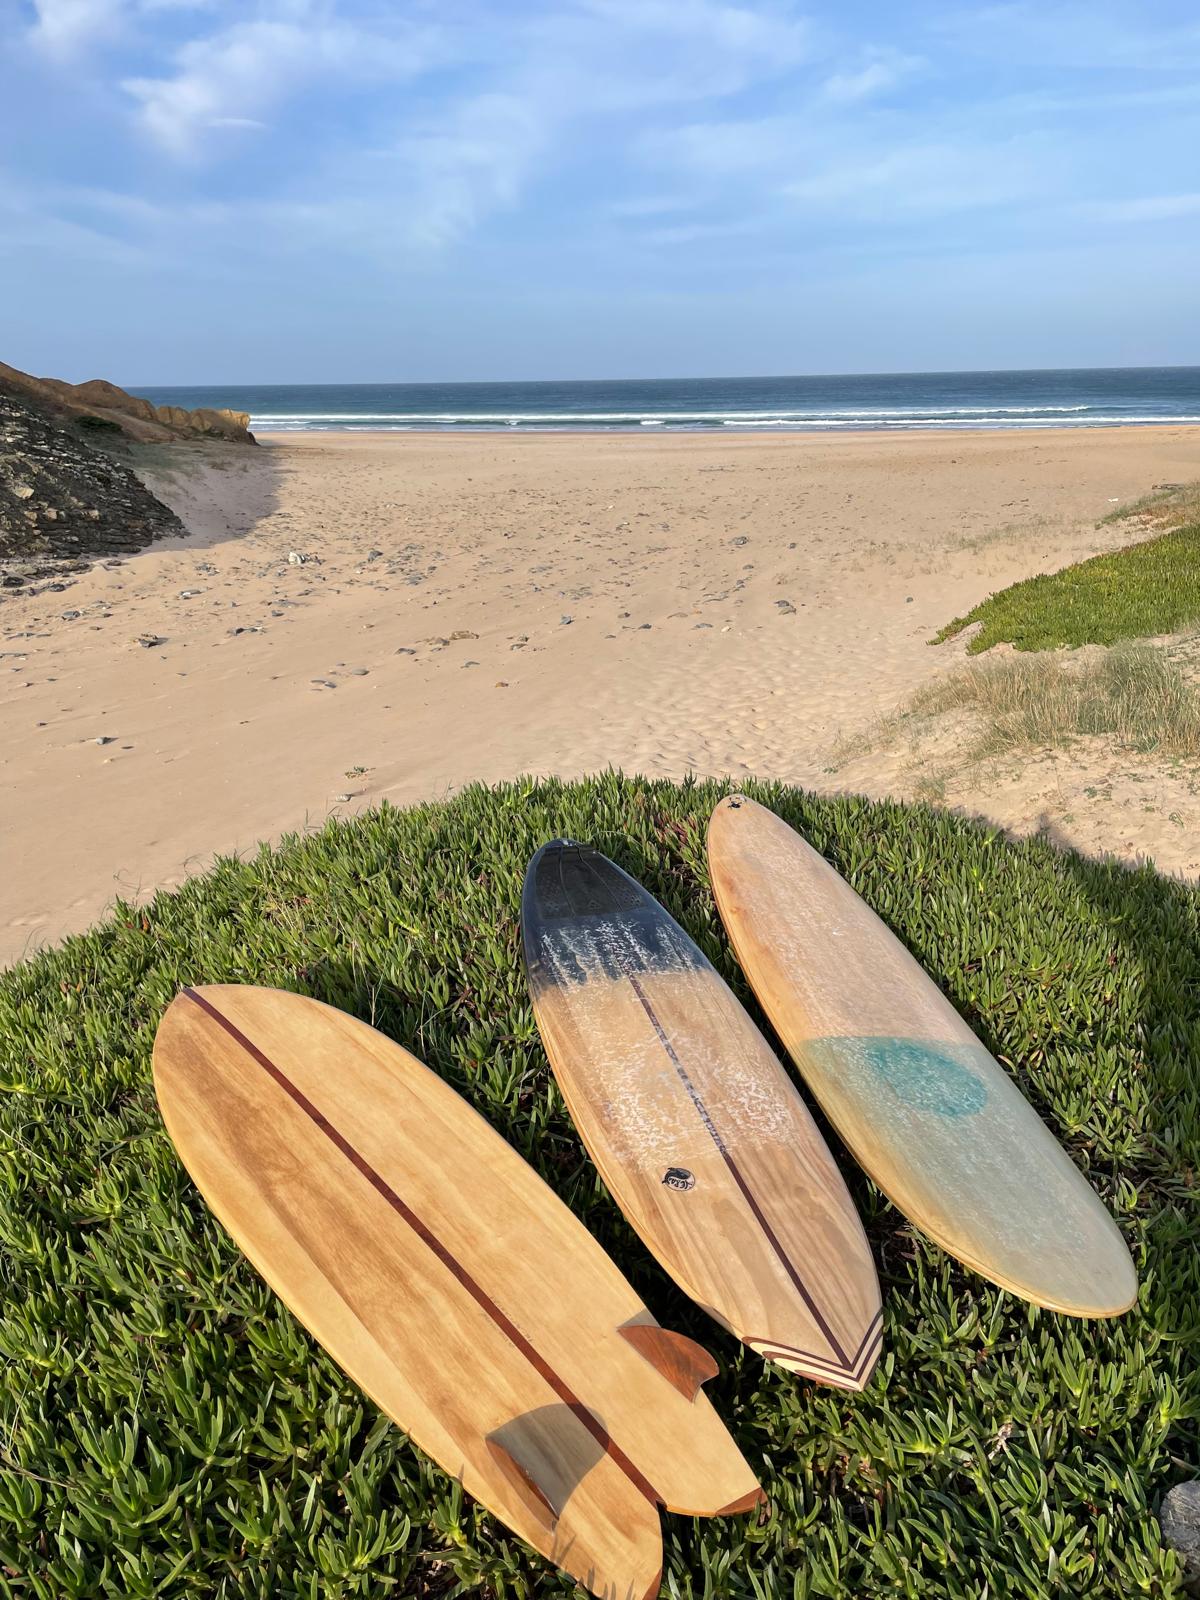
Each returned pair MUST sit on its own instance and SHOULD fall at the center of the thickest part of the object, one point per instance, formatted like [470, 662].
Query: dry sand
[482, 606]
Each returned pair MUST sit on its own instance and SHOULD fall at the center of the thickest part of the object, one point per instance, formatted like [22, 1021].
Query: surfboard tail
[851, 1371]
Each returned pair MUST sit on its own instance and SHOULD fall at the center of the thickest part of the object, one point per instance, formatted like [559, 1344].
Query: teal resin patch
[940, 1079]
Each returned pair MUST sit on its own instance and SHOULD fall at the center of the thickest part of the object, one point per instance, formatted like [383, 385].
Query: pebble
[69, 616]
[105, 738]
[785, 608]
[358, 672]
[1179, 1518]
[150, 641]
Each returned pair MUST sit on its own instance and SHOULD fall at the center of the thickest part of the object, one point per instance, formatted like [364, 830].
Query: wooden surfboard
[929, 1114]
[443, 1275]
[694, 1124]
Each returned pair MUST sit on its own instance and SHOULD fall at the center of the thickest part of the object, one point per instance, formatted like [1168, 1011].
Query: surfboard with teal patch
[929, 1114]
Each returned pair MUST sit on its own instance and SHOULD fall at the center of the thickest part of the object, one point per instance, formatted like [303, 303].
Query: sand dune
[480, 606]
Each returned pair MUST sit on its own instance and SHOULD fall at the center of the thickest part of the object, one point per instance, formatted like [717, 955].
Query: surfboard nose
[566, 879]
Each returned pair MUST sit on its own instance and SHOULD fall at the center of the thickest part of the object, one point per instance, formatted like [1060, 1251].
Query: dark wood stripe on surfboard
[430, 1239]
[747, 1192]
[862, 1360]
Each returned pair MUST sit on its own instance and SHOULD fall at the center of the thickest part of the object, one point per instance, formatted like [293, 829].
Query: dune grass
[168, 1430]
[1171, 505]
[1144, 589]
[1134, 694]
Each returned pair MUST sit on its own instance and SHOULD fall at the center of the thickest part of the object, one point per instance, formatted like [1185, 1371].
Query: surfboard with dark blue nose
[930, 1115]
[693, 1123]
[443, 1275]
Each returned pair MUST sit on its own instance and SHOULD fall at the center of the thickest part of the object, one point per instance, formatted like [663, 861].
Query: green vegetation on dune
[168, 1430]
[1144, 589]
[1133, 693]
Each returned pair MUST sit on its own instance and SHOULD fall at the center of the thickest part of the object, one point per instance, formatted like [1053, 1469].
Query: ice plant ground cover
[168, 1430]
[1148, 588]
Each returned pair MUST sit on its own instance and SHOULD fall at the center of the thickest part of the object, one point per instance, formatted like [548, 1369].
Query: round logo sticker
[678, 1178]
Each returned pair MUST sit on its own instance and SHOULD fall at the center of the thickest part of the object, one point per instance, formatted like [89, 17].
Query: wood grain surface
[930, 1115]
[694, 1124]
[443, 1275]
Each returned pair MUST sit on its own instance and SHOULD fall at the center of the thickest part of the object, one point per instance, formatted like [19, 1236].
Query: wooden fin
[522, 1481]
[683, 1363]
[748, 1502]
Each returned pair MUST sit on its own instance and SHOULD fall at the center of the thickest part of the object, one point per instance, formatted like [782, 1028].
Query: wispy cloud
[565, 67]
[474, 164]
[63, 26]
[876, 77]
[232, 77]
[1079, 34]
[1144, 208]
[571, 152]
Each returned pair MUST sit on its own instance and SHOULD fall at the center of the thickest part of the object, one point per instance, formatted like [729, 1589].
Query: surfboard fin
[683, 1363]
[757, 1498]
[522, 1480]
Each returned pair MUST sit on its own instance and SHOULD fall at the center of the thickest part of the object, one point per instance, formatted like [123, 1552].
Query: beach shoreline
[368, 614]
[273, 437]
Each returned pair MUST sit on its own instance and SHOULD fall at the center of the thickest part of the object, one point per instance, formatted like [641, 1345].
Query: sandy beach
[355, 617]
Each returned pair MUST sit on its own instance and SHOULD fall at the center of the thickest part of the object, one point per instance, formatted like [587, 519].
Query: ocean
[1088, 397]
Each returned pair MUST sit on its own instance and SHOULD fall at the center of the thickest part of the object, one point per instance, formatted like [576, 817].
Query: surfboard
[693, 1123]
[925, 1109]
[446, 1279]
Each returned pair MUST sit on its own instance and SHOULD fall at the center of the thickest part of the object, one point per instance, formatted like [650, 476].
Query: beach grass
[1133, 694]
[1148, 588]
[168, 1430]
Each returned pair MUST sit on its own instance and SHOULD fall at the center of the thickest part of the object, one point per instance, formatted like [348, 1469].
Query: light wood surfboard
[693, 1123]
[929, 1114]
[443, 1275]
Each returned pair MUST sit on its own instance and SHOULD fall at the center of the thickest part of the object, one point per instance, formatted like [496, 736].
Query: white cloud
[231, 77]
[475, 163]
[556, 69]
[63, 26]
[924, 179]
[875, 78]
[851, 169]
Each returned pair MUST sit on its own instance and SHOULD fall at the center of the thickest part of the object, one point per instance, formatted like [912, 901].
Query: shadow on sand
[218, 491]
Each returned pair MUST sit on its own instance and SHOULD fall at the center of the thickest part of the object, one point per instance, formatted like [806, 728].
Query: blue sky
[366, 190]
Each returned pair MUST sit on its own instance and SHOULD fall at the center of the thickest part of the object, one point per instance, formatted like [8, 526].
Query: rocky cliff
[63, 502]
[133, 416]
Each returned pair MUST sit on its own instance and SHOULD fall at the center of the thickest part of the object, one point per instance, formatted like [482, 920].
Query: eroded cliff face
[133, 416]
[63, 502]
